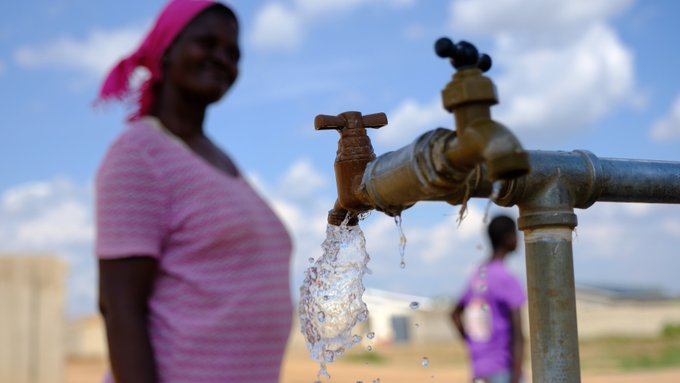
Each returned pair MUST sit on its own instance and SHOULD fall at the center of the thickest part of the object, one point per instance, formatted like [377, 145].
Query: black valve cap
[462, 55]
[444, 48]
[466, 55]
[484, 63]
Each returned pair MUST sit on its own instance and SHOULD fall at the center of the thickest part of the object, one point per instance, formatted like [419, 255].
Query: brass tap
[469, 96]
[354, 152]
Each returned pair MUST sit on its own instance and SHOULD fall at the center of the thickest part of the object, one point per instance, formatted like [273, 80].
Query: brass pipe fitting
[469, 96]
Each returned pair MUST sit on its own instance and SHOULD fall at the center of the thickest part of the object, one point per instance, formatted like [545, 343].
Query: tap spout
[485, 140]
[339, 215]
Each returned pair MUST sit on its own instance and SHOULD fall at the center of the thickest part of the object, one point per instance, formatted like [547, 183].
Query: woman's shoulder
[138, 145]
[141, 140]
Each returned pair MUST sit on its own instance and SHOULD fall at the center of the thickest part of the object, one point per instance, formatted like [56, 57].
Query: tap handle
[463, 55]
[350, 120]
[375, 120]
[326, 122]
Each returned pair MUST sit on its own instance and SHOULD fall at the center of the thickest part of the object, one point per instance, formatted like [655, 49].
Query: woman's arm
[125, 286]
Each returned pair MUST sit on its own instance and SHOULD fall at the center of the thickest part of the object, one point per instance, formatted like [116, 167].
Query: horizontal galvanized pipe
[639, 181]
[584, 179]
[420, 172]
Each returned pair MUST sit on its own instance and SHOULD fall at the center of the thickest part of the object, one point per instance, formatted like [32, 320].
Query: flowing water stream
[331, 295]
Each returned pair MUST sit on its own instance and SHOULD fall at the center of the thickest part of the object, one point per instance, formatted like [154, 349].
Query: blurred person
[193, 263]
[488, 315]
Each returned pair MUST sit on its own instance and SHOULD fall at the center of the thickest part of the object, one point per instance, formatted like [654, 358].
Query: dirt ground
[390, 365]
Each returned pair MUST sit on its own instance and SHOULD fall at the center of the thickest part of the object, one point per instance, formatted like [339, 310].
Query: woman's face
[202, 63]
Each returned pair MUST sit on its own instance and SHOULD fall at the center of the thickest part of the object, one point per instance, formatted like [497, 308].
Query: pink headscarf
[172, 20]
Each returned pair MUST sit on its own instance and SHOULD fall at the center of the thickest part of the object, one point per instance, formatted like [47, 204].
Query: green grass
[671, 331]
[669, 357]
[621, 353]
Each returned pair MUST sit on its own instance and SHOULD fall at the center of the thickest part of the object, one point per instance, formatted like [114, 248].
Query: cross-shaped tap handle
[350, 120]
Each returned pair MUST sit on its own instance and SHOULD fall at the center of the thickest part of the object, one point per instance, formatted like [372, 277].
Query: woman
[193, 264]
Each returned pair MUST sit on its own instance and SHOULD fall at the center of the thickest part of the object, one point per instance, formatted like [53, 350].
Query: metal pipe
[552, 304]
[584, 179]
[640, 181]
[420, 171]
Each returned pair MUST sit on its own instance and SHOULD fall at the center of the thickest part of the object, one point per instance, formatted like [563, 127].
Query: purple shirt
[493, 292]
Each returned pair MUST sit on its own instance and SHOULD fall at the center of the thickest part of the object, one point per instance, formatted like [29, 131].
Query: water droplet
[402, 240]
[325, 297]
[369, 348]
[321, 316]
[495, 192]
[376, 380]
[425, 362]
[356, 339]
[312, 274]
[311, 260]
[370, 335]
[414, 305]
[329, 356]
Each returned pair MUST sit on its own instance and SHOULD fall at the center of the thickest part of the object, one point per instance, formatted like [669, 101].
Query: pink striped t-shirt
[220, 309]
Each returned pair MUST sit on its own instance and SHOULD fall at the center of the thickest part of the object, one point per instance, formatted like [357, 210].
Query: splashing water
[425, 362]
[331, 295]
[495, 192]
[414, 305]
[402, 240]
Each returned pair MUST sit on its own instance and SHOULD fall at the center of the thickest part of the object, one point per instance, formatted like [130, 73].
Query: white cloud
[563, 89]
[533, 19]
[668, 127]
[563, 66]
[277, 27]
[302, 180]
[282, 26]
[409, 120]
[94, 55]
[69, 222]
[46, 216]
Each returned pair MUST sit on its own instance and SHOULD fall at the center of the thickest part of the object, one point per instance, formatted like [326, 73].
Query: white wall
[32, 292]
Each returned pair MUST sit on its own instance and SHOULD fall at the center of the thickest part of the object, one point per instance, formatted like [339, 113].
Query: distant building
[623, 311]
[403, 318]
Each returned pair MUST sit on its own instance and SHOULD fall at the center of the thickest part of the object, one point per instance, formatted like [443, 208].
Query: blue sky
[599, 75]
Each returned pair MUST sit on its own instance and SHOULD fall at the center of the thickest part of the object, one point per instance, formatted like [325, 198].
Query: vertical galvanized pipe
[552, 303]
